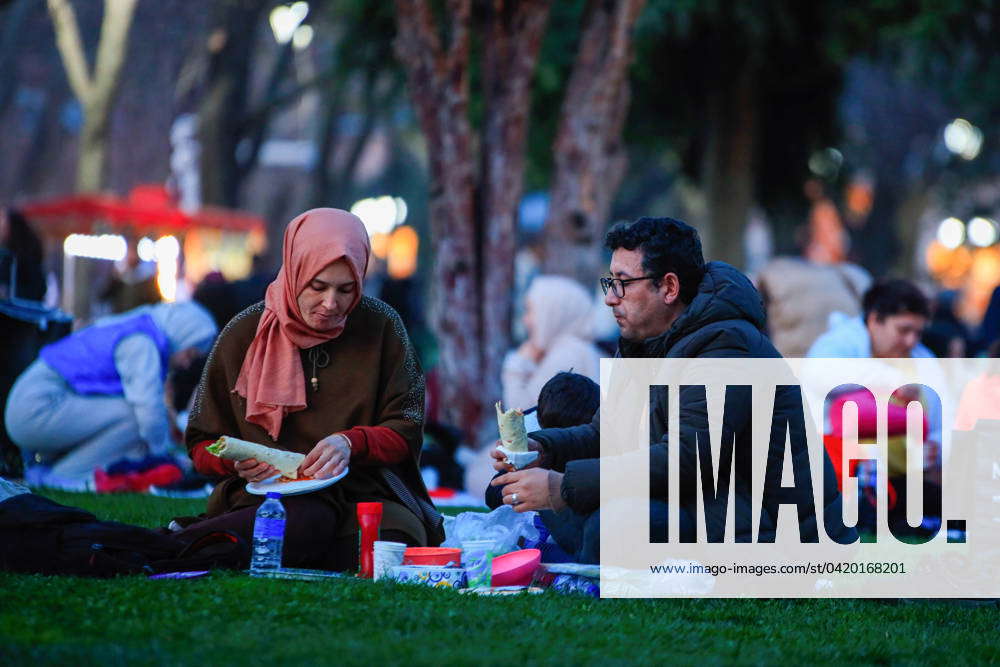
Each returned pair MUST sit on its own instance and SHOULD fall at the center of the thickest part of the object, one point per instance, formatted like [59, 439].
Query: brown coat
[372, 379]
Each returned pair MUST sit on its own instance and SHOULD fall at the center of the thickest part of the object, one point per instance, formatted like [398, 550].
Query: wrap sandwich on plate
[513, 438]
[228, 447]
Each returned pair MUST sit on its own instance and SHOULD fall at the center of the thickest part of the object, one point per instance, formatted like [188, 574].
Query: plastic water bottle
[268, 536]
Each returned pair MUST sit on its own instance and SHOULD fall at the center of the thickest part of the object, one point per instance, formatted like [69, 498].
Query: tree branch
[71, 48]
[113, 45]
[268, 106]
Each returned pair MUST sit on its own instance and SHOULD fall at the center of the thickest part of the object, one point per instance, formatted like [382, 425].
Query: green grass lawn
[231, 619]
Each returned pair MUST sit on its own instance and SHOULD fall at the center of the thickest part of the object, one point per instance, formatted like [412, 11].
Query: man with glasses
[668, 303]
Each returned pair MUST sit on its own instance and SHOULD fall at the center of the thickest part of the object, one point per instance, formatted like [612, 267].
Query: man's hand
[253, 470]
[526, 490]
[499, 457]
[328, 458]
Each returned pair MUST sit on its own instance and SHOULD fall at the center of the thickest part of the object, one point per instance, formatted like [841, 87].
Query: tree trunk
[224, 107]
[514, 32]
[728, 180]
[96, 93]
[472, 215]
[13, 21]
[92, 152]
[589, 157]
[908, 219]
[439, 86]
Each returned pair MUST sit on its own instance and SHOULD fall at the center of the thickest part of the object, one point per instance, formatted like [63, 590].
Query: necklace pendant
[315, 383]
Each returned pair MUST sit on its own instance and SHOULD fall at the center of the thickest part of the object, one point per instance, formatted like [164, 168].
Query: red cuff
[209, 464]
[376, 444]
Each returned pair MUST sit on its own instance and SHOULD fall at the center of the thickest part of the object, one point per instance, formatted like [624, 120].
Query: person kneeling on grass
[97, 395]
[319, 369]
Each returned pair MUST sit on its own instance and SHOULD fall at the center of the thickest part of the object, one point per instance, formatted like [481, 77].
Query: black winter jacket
[725, 319]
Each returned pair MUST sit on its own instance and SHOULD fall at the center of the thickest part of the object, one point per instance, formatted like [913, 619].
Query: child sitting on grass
[568, 399]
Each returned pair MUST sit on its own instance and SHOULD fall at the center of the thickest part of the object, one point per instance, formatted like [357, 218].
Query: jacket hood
[725, 293]
[185, 324]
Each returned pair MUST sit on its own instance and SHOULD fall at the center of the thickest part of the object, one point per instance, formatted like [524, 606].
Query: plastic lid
[274, 494]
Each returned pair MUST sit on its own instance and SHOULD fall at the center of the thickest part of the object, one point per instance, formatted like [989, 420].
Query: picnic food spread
[287, 463]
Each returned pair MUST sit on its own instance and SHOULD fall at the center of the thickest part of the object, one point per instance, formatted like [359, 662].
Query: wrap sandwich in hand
[228, 447]
[513, 438]
[512, 433]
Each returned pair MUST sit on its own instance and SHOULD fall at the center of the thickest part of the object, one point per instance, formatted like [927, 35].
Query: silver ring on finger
[513, 499]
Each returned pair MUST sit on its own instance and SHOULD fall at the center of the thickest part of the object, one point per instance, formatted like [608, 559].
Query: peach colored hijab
[271, 378]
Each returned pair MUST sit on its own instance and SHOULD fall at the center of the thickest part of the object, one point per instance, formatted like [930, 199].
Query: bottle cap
[274, 494]
[369, 508]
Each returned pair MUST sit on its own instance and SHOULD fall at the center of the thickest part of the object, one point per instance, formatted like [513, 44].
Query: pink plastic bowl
[516, 568]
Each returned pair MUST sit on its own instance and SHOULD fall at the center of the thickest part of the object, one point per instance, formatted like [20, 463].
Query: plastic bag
[10, 489]
[503, 525]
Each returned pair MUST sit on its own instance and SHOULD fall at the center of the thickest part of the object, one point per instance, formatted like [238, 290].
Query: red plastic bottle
[369, 519]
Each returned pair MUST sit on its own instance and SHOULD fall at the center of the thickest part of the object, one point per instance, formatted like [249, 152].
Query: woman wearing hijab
[319, 369]
[97, 395]
[557, 317]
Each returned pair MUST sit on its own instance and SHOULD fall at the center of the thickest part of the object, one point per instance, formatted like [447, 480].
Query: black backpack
[40, 536]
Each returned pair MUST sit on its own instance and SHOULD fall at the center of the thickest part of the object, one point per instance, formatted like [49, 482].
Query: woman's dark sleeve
[212, 413]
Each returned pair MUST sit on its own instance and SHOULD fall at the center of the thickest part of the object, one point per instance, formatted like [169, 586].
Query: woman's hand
[328, 458]
[253, 470]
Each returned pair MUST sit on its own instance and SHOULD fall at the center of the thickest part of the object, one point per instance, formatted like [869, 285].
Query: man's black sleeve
[581, 485]
[562, 445]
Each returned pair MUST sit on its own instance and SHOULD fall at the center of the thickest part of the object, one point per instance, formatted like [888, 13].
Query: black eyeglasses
[617, 285]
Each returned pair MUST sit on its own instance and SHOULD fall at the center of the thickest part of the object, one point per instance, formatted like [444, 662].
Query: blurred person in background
[558, 318]
[989, 328]
[225, 299]
[98, 395]
[800, 296]
[946, 335]
[133, 281]
[827, 238]
[21, 255]
[894, 315]
[981, 397]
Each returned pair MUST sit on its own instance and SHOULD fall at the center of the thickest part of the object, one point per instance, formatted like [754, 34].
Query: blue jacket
[847, 338]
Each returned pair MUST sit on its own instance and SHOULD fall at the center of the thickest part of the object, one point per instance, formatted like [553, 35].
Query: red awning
[148, 207]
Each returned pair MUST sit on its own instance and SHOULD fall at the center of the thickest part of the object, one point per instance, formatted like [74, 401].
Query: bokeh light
[951, 233]
[285, 20]
[380, 245]
[402, 257]
[146, 249]
[167, 251]
[302, 37]
[104, 246]
[963, 138]
[982, 232]
[380, 215]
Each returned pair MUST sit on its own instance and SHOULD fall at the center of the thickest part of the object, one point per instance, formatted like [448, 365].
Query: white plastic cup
[387, 556]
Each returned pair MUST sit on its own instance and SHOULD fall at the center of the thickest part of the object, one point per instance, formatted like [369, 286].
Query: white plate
[292, 488]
